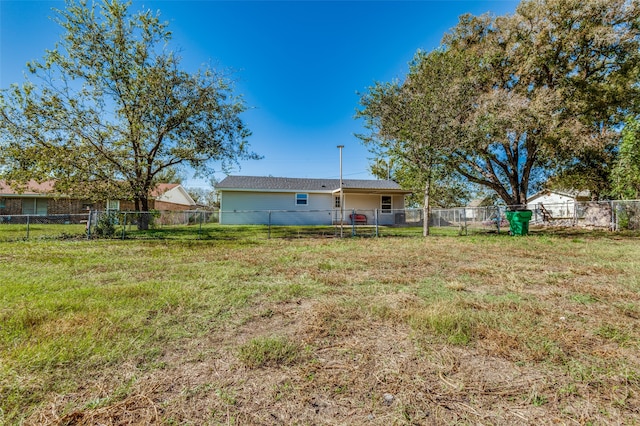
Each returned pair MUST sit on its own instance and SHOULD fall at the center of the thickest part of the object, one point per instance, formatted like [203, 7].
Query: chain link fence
[20, 227]
[106, 224]
[470, 219]
[618, 215]
[370, 222]
[200, 224]
[155, 224]
[627, 215]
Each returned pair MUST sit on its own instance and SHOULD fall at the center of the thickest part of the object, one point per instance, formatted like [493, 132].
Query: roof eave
[374, 191]
[314, 191]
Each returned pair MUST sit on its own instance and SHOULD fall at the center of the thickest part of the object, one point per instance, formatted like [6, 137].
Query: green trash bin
[519, 221]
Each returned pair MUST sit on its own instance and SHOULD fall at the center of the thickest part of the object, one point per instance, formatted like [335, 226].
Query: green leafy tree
[411, 124]
[208, 197]
[170, 175]
[557, 76]
[111, 110]
[446, 190]
[530, 94]
[626, 173]
[589, 171]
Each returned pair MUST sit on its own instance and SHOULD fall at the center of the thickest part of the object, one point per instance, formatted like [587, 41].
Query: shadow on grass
[230, 232]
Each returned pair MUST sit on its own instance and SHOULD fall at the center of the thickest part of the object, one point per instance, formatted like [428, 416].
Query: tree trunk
[425, 223]
[144, 217]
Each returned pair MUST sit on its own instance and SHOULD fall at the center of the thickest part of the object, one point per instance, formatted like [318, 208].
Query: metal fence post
[89, 225]
[464, 215]
[124, 225]
[269, 234]
[375, 217]
[353, 223]
[200, 229]
[28, 226]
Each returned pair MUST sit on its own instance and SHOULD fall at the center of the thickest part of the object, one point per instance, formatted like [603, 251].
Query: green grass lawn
[241, 329]
[214, 231]
[40, 231]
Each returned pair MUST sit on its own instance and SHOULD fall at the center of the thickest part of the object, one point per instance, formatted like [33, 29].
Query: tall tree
[626, 172]
[411, 123]
[535, 91]
[112, 110]
[558, 75]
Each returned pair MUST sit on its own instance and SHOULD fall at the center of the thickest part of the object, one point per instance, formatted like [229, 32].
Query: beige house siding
[253, 207]
[249, 207]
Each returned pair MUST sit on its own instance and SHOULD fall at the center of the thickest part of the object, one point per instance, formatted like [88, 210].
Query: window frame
[301, 199]
[113, 202]
[383, 209]
[36, 208]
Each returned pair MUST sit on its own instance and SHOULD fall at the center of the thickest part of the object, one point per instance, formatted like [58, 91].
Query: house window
[302, 199]
[34, 206]
[385, 204]
[2, 203]
[113, 205]
[336, 203]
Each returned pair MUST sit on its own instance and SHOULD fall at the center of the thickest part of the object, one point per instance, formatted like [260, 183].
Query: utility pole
[341, 195]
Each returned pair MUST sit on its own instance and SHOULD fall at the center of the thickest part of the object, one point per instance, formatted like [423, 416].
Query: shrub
[105, 225]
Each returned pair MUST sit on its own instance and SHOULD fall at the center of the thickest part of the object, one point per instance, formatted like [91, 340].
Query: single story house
[302, 201]
[172, 196]
[554, 204]
[39, 198]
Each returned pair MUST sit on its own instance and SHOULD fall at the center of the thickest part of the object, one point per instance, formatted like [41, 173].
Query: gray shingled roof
[302, 184]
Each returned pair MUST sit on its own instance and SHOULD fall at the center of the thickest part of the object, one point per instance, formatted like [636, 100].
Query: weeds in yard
[192, 331]
[454, 325]
[269, 351]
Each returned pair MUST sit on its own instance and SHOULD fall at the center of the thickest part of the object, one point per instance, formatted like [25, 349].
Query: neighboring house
[40, 199]
[477, 208]
[301, 201]
[172, 196]
[34, 199]
[552, 204]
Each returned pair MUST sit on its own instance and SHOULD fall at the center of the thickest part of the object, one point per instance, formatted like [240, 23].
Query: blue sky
[299, 64]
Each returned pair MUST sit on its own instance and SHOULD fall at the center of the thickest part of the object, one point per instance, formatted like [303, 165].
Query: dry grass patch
[476, 330]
